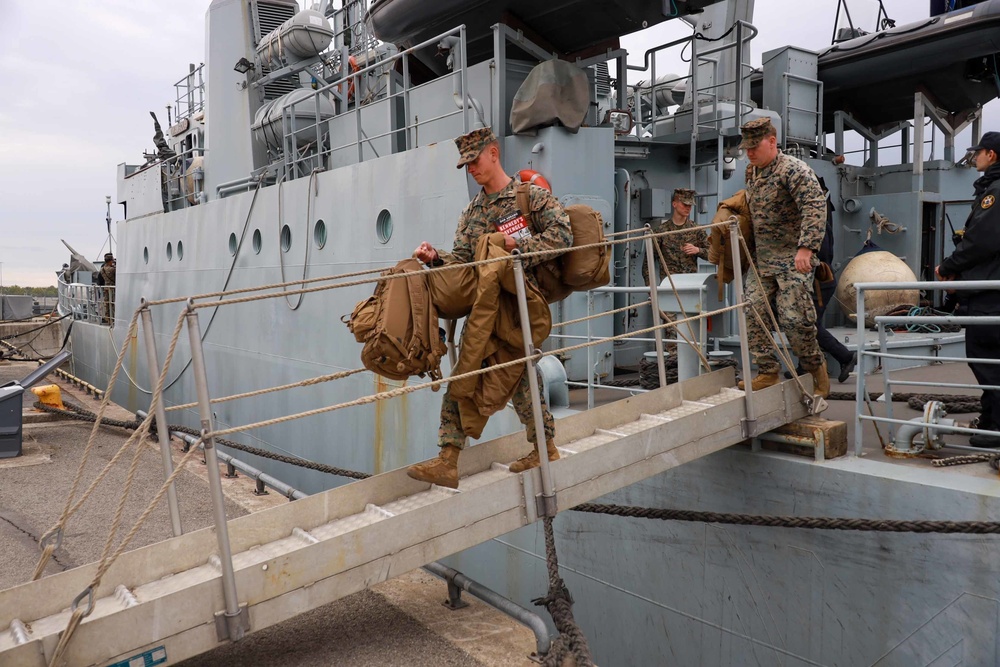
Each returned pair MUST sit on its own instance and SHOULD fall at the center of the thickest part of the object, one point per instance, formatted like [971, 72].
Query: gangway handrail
[233, 621]
[881, 321]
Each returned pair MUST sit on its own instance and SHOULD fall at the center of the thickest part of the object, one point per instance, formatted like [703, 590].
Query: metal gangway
[187, 595]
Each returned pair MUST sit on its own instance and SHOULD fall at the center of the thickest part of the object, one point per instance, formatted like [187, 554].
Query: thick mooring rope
[559, 603]
[809, 522]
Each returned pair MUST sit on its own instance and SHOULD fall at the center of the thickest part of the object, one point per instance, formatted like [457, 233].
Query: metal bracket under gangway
[164, 598]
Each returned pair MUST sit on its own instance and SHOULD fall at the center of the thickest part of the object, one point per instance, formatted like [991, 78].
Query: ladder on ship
[165, 599]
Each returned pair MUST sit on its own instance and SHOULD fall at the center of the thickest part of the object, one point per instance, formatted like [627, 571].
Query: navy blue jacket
[977, 255]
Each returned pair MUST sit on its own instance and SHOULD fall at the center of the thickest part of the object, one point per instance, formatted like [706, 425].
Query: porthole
[145, 255]
[232, 244]
[257, 242]
[170, 251]
[319, 233]
[383, 226]
[286, 238]
[180, 250]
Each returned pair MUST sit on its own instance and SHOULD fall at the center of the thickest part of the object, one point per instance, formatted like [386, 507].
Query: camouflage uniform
[788, 210]
[670, 246]
[108, 282]
[481, 217]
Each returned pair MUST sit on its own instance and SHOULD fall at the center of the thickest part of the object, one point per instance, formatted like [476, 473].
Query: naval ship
[318, 141]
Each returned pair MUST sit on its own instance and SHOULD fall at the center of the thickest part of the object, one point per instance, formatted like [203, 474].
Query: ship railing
[87, 303]
[178, 192]
[306, 129]
[190, 92]
[907, 439]
[63, 305]
[701, 95]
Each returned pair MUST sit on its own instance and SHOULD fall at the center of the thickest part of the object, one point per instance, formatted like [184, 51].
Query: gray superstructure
[301, 166]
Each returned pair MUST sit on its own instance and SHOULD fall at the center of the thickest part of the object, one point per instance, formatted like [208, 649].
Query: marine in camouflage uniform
[107, 281]
[788, 211]
[488, 213]
[672, 245]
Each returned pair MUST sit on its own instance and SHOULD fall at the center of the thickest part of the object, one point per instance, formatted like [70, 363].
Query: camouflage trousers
[109, 307]
[451, 433]
[790, 295]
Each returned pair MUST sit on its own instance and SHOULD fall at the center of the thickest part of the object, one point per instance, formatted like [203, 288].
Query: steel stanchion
[548, 497]
[234, 621]
[749, 425]
[162, 432]
[654, 304]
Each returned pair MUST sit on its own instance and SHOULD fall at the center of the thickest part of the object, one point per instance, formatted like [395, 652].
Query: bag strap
[523, 194]
[416, 286]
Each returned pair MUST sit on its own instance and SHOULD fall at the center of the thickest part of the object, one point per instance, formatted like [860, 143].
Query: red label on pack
[514, 224]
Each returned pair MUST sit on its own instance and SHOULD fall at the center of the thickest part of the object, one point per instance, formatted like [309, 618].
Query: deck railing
[87, 303]
[305, 119]
[931, 424]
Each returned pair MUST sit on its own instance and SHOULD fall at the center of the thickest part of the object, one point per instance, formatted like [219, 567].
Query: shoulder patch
[988, 201]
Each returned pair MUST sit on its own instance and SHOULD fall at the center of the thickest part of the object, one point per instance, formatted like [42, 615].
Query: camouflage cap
[684, 196]
[472, 144]
[755, 131]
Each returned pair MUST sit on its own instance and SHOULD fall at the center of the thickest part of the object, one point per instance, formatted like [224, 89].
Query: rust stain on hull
[133, 357]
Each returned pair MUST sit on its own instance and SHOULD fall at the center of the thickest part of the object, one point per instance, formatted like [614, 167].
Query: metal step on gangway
[164, 600]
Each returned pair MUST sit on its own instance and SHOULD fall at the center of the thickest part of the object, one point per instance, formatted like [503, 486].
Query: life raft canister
[532, 176]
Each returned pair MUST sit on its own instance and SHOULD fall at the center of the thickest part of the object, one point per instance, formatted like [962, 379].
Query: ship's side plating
[316, 190]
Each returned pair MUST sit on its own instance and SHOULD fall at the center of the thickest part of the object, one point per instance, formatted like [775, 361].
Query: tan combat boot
[761, 381]
[821, 381]
[530, 460]
[442, 471]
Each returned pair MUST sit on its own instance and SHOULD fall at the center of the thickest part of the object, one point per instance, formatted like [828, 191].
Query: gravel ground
[400, 622]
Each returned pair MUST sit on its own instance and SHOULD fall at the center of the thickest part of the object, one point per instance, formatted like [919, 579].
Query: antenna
[107, 219]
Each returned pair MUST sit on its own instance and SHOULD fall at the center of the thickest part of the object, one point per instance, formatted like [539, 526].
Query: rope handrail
[50, 545]
[402, 391]
[260, 392]
[52, 538]
[446, 267]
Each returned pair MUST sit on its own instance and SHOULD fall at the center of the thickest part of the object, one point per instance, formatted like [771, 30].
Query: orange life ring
[353, 64]
[531, 176]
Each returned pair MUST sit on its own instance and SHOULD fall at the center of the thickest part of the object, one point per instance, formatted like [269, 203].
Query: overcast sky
[81, 77]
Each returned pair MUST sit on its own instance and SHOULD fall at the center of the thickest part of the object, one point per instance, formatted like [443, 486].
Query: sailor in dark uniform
[977, 257]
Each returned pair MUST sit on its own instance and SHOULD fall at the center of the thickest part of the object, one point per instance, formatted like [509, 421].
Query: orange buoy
[531, 176]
